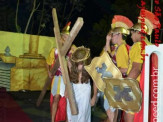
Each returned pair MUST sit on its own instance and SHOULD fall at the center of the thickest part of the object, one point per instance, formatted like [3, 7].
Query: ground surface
[27, 102]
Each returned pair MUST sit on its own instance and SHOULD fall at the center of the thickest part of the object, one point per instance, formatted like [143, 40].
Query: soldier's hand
[108, 39]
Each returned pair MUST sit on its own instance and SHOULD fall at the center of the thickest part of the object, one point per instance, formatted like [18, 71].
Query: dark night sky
[93, 12]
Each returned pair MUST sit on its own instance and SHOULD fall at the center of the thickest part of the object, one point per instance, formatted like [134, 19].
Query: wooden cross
[62, 52]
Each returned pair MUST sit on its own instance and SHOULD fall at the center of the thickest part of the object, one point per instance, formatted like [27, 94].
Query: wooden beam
[73, 33]
[63, 65]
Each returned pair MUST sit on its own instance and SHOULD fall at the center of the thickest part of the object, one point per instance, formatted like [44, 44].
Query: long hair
[74, 74]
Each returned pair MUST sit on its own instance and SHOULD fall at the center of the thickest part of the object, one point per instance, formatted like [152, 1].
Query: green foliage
[66, 9]
[18, 28]
[34, 8]
[37, 19]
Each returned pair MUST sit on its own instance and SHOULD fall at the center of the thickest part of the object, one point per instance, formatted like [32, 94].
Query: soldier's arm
[107, 45]
[48, 69]
[135, 71]
[49, 61]
[95, 90]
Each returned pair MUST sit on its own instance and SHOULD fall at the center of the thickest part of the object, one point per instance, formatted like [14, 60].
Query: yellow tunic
[122, 56]
[135, 55]
[50, 59]
[57, 85]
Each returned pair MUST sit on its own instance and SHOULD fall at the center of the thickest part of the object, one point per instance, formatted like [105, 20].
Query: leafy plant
[41, 16]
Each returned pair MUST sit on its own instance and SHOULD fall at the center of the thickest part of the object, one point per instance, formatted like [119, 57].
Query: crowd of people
[128, 59]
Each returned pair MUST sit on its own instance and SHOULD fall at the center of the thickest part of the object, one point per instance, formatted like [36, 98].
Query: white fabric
[58, 80]
[82, 94]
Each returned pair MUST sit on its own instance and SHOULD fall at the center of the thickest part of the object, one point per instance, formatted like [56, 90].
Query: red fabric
[153, 88]
[58, 72]
[61, 108]
[61, 111]
[128, 48]
[153, 77]
[139, 116]
[122, 116]
[10, 111]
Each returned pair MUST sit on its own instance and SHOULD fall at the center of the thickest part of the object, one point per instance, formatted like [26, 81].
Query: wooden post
[63, 65]
[73, 33]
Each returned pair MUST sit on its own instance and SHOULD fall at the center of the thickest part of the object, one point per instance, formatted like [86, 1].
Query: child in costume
[80, 85]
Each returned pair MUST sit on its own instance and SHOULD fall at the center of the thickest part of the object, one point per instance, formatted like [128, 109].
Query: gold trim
[120, 30]
[97, 77]
[132, 105]
[80, 54]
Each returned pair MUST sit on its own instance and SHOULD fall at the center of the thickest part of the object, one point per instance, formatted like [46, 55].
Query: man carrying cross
[62, 50]
[57, 85]
[81, 85]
